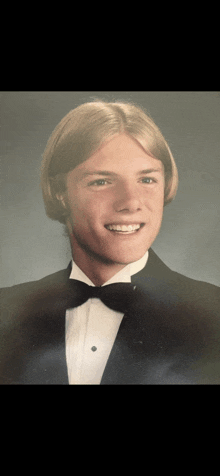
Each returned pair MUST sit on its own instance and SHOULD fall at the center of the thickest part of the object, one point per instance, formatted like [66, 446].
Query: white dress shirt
[91, 329]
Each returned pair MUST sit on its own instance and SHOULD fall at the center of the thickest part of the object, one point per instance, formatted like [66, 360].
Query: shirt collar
[123, 276]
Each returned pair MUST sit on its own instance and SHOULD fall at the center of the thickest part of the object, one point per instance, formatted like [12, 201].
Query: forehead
[119, 154]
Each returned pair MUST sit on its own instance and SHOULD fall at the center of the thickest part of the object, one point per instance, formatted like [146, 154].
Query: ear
[61, 199]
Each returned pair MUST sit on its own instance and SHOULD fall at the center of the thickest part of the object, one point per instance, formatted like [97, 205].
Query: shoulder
[195, 303]
[178, 291]
[157, 269]
[51, 278]
[191, 287]
[180, 279]
[195, 294]
[19, 292]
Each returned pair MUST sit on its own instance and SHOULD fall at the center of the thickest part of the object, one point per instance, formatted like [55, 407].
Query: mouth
[125, 229]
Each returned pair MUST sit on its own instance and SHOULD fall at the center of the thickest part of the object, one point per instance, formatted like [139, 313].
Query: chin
[127, 258]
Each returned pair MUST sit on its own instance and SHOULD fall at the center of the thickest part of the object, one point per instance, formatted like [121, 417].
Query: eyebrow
[148, 171]
[107, 173]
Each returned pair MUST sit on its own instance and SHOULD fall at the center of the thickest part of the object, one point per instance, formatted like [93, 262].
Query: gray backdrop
[33, 246]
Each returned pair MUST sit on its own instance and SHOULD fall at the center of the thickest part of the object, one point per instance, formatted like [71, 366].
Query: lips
[122, 228]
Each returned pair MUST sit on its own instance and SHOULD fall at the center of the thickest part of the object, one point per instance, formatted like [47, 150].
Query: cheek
[156, 212]
[76, 208]
[159, 210]
[84, 209]
[155, 203]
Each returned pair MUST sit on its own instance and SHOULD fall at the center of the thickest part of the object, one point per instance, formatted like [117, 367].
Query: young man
[117, 314]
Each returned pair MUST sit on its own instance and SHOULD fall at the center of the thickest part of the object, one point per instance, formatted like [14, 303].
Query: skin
[119, 184]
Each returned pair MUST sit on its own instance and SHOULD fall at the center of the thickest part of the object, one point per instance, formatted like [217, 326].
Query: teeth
[125, 228]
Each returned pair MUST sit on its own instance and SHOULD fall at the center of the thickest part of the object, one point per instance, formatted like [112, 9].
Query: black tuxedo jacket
[170, 336]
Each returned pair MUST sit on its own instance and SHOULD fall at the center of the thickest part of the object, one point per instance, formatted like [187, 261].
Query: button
[93, 348]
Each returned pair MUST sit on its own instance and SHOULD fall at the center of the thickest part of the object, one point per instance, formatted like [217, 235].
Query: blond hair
[82, 131]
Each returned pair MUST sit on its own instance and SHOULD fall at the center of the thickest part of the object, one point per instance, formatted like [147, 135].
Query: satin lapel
[40, 340]
[48, 359]
[52, 358]
[127, 361]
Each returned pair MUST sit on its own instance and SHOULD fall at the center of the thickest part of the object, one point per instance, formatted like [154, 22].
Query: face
[116, 201]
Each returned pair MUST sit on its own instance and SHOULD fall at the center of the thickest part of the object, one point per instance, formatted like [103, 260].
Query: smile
[125, 229]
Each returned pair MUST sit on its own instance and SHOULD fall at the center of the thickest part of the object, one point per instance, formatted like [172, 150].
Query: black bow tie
[117, 296]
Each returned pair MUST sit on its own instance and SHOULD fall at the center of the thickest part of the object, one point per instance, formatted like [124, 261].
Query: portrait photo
[110, 237]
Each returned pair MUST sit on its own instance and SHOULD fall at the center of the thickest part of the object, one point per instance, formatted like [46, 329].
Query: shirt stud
[93, 348]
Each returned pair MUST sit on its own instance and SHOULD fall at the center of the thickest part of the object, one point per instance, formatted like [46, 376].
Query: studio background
[33, 246]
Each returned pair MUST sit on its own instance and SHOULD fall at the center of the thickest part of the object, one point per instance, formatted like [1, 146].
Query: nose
[128, 199]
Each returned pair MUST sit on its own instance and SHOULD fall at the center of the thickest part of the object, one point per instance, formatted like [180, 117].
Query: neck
[97, 271]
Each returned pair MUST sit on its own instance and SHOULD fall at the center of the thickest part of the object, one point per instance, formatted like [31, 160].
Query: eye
[148, 180]
[99, 182]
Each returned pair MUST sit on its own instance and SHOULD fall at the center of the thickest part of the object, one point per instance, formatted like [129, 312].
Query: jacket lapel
[52, 358]
[37, 344]
[137, 342]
